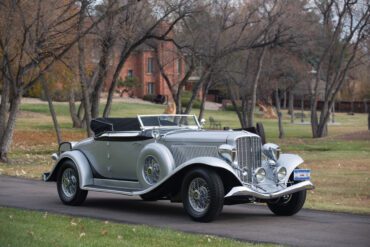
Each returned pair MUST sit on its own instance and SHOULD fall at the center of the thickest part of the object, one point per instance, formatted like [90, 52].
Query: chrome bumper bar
[245, 191]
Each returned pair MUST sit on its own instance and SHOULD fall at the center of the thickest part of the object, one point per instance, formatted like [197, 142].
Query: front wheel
[202, 194]
[288, 205]
[68, 185]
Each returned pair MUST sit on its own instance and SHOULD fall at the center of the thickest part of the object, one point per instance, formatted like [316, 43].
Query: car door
[99, 156]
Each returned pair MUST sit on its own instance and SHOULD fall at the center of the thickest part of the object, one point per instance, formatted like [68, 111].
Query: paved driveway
[244, 222]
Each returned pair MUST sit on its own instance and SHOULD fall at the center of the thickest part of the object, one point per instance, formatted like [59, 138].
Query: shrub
[186, 98]
[149, 97]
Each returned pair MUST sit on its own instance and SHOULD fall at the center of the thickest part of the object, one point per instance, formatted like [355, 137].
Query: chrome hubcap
[69, 182]
[198, 195]
[151, 170]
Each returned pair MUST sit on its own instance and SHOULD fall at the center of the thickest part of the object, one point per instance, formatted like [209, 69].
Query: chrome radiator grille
[249, 156]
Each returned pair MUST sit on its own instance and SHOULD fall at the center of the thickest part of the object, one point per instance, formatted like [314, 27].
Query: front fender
[205, 161]
[290, 162]
[82, 164]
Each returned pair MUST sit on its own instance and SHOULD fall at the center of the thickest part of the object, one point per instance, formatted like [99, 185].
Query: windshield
[169, 121]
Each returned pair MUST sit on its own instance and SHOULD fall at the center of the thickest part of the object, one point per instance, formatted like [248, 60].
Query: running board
[122, 191]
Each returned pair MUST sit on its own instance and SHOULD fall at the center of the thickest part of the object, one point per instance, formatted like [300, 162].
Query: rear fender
[82, 164]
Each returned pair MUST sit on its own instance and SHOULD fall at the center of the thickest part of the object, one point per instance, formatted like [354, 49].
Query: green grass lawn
[28, 228]
[340, 163]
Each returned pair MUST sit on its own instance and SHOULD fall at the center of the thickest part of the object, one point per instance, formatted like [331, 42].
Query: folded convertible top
[102, 125]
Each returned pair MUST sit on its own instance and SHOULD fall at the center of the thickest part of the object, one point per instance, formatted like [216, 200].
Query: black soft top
[101, 125]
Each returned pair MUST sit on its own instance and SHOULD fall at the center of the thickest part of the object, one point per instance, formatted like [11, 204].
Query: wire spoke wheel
[69, 182]
[68, 185]
[202, 193]
[151, 170]
[198, 194]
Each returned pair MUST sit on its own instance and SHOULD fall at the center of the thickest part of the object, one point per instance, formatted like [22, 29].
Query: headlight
[227, 152]
[260, 174]
[272, 151]
[281, 173]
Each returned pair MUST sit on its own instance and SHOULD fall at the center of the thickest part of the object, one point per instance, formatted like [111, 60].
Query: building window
[130, 73]
[150, 65]
[151, 88]
[179, 67]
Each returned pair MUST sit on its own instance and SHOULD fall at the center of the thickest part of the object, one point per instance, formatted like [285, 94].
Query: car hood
[205, 136]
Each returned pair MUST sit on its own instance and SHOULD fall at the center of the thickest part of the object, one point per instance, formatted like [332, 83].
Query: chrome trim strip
[245, 191]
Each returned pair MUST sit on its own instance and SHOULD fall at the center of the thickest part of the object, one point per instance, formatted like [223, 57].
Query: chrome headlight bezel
[227, 152]
[260, 174]
[281, 173]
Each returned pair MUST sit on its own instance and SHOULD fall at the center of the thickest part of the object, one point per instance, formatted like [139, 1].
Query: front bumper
[246, 191]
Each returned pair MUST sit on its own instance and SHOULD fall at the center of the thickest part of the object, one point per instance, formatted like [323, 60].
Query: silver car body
[115, 161]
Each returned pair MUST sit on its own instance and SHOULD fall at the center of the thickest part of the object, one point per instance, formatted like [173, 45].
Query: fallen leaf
[73, 223]
[119, 237]
[82, 234]
[23, 172]
[104, 232]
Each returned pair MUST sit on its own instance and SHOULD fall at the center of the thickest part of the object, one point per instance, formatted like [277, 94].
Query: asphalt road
[244, 222]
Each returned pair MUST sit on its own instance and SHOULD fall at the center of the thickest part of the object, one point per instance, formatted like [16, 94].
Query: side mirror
[202, 122]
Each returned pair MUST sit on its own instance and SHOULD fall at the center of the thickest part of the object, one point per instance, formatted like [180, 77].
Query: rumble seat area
[102, 125]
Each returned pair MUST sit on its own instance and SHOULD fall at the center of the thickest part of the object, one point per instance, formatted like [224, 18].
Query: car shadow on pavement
[174, 211]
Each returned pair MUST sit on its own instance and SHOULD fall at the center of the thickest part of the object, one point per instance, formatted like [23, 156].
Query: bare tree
[343, 30]
[33, 35]
[245, 67]
[143, 24]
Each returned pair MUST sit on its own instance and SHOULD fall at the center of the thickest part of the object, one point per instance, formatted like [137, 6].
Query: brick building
[142, 66]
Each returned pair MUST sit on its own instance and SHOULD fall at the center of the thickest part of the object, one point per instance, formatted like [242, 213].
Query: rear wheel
[202, 194]
[288, 205]
[68, 185]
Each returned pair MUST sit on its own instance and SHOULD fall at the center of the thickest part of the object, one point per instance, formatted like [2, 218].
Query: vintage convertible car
[172, 157]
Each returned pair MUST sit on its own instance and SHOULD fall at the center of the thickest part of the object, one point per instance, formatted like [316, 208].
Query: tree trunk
[291, 106]
[102, 72]
[280, 114]
[322, 127]
[236, 108]
[81, 71]
[76, 121]
[204, 98]
[314, 120]
[368, 119]
[285, 100]
[251, 104]
[113, 85]
[352, 107]
[196, 88]
[7, 137]
[365, 106]
[4, 106]
[52, 110]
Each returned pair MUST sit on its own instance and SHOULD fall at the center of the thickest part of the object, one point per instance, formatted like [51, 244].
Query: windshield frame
[143, 127]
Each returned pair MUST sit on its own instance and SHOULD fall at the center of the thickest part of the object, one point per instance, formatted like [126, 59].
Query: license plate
[302, 174]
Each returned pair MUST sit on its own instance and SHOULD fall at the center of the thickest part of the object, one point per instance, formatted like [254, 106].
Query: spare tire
[155, 163]
[261, 132]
